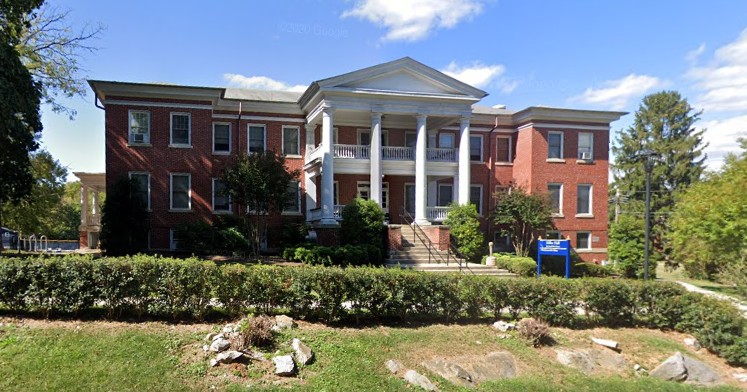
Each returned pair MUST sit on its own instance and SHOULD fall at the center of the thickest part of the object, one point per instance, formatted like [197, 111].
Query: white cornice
[566, 126]
[258, 118]
[156, 104]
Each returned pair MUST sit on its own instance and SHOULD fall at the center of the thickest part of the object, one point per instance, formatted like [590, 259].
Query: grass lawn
[101, 356]
[679, 274]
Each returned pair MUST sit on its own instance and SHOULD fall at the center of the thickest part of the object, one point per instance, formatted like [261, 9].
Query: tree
[709, 226]
[260, 183]
[20, 96]
[464, 227]
[663, 125]
[45, 210]
[522, 215]
[626, 243]
[362, 223]
[52, 50]
[124, 220]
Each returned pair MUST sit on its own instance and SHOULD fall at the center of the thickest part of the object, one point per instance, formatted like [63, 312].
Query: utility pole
[617, 205]
[649, 166]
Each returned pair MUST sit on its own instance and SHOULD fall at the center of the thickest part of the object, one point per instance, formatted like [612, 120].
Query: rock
[672, 369]
[226, 357]
[741, 377]
[228, 328]
[692, 342]
[449, 370]
[303, 353]
[220, 344]
[580, 360]
[700, 373]
[283, 322]
[503, 326]
[500, 364]
[606, 343]
[394, 366]
[205, 347]
[419, 380]
[255, 355]
[284, 365]
[217, 336]
[209, 337]
[467, 371]
[637, 367]
[608, 359]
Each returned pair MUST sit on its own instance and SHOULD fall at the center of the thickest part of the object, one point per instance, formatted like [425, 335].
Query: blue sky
[576, 53]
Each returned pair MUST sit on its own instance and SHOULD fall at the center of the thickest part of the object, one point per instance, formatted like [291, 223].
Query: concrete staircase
[415, 256]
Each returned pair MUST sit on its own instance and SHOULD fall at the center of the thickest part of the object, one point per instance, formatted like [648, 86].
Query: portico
[92, 185]
[399, 107]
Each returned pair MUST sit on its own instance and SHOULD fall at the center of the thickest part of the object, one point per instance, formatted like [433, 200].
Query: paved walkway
[739, 304]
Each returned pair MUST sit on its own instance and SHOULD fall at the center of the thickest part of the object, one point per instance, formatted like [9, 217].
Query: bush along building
[400, 133]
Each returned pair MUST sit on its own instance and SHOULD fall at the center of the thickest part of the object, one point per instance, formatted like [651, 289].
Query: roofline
[564, 114]
[98, 87]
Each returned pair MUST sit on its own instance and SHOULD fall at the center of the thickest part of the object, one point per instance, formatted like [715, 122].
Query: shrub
[522, 266]
[553, 300]
[612, 302]
[345, 255]
[716, 324]
[590, 270]
[362, 223]
[254, 332]
[534, 331]
[464, 227]
[736, 354]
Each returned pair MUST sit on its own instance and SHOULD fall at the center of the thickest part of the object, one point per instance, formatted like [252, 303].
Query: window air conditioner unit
[586, 155]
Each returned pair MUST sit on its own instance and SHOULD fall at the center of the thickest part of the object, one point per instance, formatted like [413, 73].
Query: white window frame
[591, 146]
[453, 139]
[130, 174]
[171, 192]
[562, 143]
[146, 138]
[282, 140]
[171, 129]
[591, 203]
[510, 149]
[482, 148]
[438, 195]
[298, 197]
[230, 205]
[404, 198]
[411, 133]
[479, 207]
[248, 137]
[230, 141]
[559, 213]
[172, 243]
[588, 233]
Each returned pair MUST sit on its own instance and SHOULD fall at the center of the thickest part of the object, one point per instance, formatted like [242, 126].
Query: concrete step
[470, 269]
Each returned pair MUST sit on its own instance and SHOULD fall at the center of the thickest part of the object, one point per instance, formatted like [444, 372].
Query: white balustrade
[353, 151]
[398, 153]
[315, 153]
[436, 214]
[442, 154]
[338, 211]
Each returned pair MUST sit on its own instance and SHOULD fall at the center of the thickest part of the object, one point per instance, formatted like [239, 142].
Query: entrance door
[364, 192]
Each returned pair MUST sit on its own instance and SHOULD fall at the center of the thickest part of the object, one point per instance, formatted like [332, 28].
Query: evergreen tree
[664, 125]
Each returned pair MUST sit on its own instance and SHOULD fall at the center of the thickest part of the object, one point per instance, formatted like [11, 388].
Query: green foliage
[522, 266]
[521, 215]
[362, 223]
[464, 227]
[590, 270]
[664, 124]
[345, 255]
[627, 246]
[260, 182]
[709, 227]
[124, 222]
[192, 289]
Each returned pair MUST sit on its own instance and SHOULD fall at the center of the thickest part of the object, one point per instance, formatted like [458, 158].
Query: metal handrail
[429, 244]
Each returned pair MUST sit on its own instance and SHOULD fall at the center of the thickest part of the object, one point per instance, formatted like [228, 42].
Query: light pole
[648, 166]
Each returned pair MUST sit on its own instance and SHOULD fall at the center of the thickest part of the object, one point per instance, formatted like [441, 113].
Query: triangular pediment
[404, 76]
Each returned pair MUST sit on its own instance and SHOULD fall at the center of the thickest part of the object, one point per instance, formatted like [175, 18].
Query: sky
[584, 54]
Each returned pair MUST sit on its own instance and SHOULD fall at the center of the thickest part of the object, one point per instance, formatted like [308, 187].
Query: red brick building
[400, 133]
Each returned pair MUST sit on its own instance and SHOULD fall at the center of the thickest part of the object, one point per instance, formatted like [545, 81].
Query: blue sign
[554, 248]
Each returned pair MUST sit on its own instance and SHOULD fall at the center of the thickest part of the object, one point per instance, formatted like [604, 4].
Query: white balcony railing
[353, 151]
[338, 212]
[398, 153]
[93, 220]
[316, 152]
[316, 214]
[436, 214]
[442, 154]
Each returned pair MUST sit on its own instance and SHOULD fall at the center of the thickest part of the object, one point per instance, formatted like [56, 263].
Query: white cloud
[261, 83]
[413, 20]
[693, 55]
[723, 82]
[481, 75]
[615, 94]
[722, 136]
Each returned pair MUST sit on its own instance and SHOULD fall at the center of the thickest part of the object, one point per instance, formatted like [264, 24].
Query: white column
[95, 208]
[328, 170]
[455, 191]
[309, 183]
[464, 162]
[84, 205]
[421, 180]
[376, 158]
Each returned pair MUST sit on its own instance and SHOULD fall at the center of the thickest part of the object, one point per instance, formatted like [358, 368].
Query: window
[141, 187]
[446, 140]
[221, 200]
[445, 194]
[176, 242]
[555, 191]
[364, 137]
[583, 202]
[553, 235]
[586, 146]
[503, 149]
[475, 148]
[583, 240]
[410, 198]
[256, 139]
[336, 195]
[291, 140]
[180, 125]
[139, 127]
[475, 197]
[181, 191]
[221, 138]
[410, 139]
[293, 204]
[555, 145]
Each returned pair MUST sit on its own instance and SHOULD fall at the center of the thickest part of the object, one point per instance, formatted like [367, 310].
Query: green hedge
[345, 255]
[192, 289]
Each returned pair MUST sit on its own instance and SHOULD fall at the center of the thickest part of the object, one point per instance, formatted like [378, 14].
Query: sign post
[554, 248]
